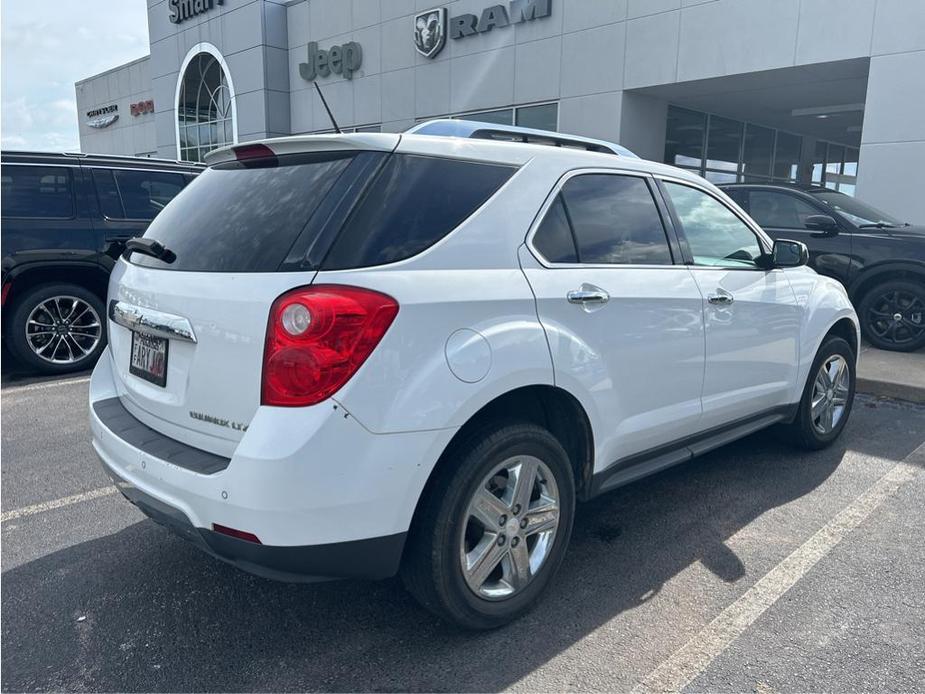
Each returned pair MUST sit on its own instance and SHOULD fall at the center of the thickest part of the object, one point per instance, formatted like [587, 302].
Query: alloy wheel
[509, 527]
[897, 317]
[63, 330]
[830, 394]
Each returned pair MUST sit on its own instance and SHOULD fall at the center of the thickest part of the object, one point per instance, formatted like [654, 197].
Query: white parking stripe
[695, 656]
[57, 503]
[42, 386]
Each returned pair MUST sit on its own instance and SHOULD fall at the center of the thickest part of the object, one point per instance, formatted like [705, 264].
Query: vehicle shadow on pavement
[141, 610]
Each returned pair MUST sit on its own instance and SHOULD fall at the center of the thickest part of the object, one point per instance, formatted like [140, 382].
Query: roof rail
[509, 133]
[117, 157]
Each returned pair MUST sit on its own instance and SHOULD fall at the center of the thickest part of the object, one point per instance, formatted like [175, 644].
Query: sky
[45, 47]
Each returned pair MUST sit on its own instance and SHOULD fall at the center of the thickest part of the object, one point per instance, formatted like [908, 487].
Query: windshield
[856, 211]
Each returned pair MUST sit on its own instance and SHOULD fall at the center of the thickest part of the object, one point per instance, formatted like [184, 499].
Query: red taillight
[240, 534]
[317, 338]
[5, 291]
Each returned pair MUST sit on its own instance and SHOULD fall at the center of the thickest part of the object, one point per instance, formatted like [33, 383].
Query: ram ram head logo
[430, 32]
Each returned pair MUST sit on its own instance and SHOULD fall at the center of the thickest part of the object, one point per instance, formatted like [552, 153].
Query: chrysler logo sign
[103, 117]
[432, 27]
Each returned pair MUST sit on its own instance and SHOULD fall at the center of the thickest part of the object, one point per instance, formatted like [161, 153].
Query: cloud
[46, 47]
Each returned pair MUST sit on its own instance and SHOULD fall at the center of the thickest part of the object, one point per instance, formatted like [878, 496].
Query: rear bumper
[325, 497]
[373, 558]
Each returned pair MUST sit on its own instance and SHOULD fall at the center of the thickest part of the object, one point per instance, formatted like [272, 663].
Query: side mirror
[821, 222]
[789, 253]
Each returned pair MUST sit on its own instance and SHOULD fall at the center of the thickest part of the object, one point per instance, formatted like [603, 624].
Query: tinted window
[714, 234]
[244, 218]
[858, 212]
[37, 191]
[553, 238]
[414, 202]
[108, 194]
[615, 220]
[778, 210]
[145, 193]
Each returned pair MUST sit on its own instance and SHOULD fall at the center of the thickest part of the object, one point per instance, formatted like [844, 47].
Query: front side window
[614, 221]
[41, 192]
[778, 210]
[715, 235]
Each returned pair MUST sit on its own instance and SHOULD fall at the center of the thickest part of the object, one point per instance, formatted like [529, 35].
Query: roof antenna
[330, 115]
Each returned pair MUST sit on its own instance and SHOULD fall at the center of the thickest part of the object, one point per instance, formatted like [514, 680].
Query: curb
[889, 389]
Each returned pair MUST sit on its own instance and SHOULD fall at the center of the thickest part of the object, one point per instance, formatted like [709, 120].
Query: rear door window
[244, 216]
[38, 192]
[414, 202]
[614, 219]
[139, 194]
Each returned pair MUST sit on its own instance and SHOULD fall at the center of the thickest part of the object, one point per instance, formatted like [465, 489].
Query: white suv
[361, 355]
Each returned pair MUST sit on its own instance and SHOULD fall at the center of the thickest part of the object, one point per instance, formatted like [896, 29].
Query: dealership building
[824, 91]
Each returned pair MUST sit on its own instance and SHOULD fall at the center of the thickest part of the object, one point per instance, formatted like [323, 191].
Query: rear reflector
[317, 338]
[240, 534]
[6, 290]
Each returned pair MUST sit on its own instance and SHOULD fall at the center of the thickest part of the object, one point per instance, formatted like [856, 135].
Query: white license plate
[149, 358]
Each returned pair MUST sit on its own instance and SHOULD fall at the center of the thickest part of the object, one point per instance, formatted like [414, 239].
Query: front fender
[824, 301]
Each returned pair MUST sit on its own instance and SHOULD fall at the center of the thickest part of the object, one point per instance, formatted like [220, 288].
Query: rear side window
[614, 221]
[244, 216]
[414, 202]
[42, 192]
[135, 194]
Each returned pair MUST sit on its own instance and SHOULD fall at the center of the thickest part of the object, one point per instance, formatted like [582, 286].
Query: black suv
[879, 259]
[65, 221]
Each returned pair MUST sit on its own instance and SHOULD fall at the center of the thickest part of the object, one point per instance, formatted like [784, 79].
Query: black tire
[24, 306]
[432, 569]
[803, 431]
[877, 308]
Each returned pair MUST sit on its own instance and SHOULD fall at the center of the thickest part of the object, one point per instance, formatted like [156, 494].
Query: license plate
[149, 358]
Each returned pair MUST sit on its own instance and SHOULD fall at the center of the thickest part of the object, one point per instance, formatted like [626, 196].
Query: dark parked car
[879, 259]
[65, 221]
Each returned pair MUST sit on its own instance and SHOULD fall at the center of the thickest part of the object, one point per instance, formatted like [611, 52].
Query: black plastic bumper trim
[372, 558]
[122, 423]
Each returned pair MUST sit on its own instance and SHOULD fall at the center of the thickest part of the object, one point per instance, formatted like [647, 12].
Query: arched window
[205, 114]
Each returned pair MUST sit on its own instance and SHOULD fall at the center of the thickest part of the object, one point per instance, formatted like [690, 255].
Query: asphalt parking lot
[756, 568]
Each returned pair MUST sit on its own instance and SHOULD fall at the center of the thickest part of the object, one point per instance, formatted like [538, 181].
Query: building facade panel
[827, 91]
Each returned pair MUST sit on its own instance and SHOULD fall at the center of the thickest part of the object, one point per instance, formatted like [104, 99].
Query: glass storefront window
[684, 137]
[504, 116]
[204, 114]
[787, 156]
[542, 117]
[758, 149]
[724, 140]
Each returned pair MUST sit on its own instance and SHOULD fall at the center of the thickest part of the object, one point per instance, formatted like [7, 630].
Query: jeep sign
[341, 60]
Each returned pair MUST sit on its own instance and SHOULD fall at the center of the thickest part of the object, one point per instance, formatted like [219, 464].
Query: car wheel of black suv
[57, 328]
[827, 397]
[893, 315]
[492, 528]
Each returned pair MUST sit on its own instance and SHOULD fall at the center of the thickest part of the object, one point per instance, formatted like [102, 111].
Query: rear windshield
[244, 216]
[332, 210]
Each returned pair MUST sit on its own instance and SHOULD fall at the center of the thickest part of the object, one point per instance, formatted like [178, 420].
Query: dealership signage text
[430, 26]
[187, 9]
[341, 60]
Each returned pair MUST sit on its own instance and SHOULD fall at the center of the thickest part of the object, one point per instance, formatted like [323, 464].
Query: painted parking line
[57, 503]
[43, 386]
[680, 669]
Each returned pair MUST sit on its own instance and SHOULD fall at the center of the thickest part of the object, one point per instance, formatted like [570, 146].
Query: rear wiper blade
[150, 247]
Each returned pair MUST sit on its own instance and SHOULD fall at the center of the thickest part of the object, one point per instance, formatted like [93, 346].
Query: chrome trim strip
[151, 322]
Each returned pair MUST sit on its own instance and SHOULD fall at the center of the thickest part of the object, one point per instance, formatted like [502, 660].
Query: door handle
[721, 298]
[588, 295]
